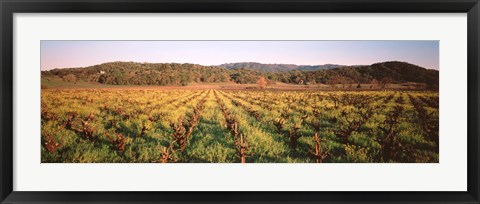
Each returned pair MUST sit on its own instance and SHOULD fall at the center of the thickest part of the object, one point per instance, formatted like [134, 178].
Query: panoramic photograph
[239, 101]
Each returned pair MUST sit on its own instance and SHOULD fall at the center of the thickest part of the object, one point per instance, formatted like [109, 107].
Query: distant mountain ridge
[277, 67]
[133, 73]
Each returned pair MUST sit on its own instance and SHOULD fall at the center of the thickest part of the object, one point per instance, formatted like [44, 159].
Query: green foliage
[131, 73]
[220, 126]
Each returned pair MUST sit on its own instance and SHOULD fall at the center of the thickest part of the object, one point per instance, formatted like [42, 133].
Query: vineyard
[238, 126]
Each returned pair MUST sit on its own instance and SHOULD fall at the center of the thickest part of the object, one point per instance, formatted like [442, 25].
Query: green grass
[130, 112]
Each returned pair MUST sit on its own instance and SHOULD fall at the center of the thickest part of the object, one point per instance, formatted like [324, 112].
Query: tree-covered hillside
[132, 73]
[277, 67]
[396, 72]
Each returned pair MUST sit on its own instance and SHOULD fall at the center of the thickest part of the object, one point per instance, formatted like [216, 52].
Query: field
[232, 126]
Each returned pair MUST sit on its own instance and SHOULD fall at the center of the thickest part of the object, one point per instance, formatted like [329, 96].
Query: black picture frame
[10, 7]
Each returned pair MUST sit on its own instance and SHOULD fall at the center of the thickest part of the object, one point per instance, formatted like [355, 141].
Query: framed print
[239, 101]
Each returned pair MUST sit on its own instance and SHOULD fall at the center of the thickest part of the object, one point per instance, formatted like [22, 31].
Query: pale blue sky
[61, 54]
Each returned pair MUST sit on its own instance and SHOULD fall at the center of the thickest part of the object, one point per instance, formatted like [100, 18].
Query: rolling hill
[133, 73]
[276, 67]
